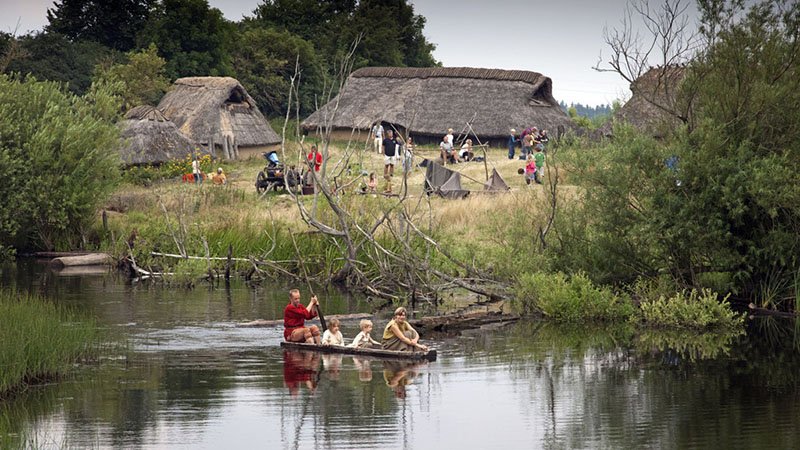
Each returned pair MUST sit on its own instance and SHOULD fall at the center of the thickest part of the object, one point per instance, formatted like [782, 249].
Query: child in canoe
[332, 336]
[364, 339]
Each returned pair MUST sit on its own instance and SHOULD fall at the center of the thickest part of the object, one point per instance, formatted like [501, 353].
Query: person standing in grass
[389, 152]
[377, 136]
[512, 144]
[539, 157]
[196, 172]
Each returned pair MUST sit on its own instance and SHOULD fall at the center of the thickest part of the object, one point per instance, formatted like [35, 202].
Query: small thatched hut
[218, 113]
[653, 107]
[428, 101]
[150, 138]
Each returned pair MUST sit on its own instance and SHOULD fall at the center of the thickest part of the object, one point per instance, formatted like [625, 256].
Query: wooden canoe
[430, 355]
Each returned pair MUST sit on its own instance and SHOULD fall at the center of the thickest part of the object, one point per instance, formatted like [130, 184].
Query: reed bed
[40, 340]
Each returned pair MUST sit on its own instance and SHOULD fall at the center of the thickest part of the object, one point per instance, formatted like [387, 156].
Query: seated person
[219, 178]
[294, 317]
[372, 184]
[364, 339]
[466, 151]
[400, 335]
[448, 153]
[332, 336]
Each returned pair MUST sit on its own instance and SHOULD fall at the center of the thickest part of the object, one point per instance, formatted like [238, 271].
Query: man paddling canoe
[294, 317]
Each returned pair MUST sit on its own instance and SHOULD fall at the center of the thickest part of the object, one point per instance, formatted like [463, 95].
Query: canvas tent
[428, 101]
[446, 183]
[218, 112]
[148, 137]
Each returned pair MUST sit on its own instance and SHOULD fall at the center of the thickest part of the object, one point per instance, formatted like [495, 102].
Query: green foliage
[53, 57]
[112, 24]
[698, 310]
[265, 62]
[56, 160]
[572, 299]
[193, 37]
[39, 340]
[140, 80]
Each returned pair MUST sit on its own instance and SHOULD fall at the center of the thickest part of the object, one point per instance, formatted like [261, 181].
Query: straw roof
[653, 95]
[207, 108]
[428, 101]
[148, 137]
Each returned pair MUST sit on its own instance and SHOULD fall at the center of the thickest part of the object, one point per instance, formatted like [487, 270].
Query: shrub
[570, 299]
[693, 309]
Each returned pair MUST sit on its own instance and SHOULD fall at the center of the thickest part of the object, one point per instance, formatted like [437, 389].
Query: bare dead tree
[660, 49]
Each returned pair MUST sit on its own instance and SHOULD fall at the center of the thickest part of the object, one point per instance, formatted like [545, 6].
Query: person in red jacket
[314, 158]
[294, 317]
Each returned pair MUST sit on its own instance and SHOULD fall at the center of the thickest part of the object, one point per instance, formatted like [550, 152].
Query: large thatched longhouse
[653, 107]
[217, 111]
[428, 101]
[150, 138]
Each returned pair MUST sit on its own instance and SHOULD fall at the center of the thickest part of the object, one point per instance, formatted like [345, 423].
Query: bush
[570, 299]
[57, 162]
[698, 310]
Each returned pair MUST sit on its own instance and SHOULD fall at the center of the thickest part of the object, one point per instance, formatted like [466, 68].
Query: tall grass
[39, 340]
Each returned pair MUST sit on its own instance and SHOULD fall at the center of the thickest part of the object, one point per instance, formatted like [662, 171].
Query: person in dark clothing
[512, 144]
[389, 155]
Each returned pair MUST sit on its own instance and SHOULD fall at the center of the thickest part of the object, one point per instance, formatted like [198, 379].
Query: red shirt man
[315, 157]
[294, 317]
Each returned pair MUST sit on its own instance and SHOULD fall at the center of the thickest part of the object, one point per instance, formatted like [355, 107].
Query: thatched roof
[430, 100]
[150, 138]
[214, 107]
[653, 100]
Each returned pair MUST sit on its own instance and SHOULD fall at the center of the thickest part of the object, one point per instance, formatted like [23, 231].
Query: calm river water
[189, 378]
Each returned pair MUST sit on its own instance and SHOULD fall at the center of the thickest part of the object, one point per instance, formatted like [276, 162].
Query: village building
[149, 138]
[654, 106]
[428, 101]
[218, 114]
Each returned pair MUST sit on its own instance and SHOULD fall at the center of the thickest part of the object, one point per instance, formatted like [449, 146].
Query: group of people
[218, 178]
[530, 140]
[449, 153]
[397, 335]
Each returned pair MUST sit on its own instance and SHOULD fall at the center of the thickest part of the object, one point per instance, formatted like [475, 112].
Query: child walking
[332, 336]
[539, 157]
[530, 170]
[363, 339]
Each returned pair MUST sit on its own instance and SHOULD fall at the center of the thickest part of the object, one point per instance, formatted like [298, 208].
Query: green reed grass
[40, 340]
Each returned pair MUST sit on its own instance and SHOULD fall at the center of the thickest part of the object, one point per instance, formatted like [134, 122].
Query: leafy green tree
[721, 197]
[265, 62]
[51, 56]
[141, 80]
[56, 160]
[113, 24]
[193, 38]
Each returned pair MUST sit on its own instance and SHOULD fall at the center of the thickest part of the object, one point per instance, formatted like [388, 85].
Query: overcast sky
[560, 39]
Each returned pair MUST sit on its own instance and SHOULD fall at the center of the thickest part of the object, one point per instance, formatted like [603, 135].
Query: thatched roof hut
[428, 101]
[148, 137]
[218, 111]
[653, 105]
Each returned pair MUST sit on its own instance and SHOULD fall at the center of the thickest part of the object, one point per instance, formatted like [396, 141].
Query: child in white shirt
[363, 339]
[332, 336]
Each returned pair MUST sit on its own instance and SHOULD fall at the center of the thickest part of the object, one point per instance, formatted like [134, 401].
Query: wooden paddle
[321, 318]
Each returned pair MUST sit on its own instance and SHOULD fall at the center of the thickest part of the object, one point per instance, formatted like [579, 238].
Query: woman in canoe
[400, 335]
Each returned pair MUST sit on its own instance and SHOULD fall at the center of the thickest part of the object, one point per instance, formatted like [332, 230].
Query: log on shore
[92, 259]
[274, 323]
[54, 254]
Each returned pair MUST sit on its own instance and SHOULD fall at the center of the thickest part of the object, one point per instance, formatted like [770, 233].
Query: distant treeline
[84, 39]
[590, 112]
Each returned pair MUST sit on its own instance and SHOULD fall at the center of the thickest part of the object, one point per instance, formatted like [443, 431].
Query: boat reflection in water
[300, 368]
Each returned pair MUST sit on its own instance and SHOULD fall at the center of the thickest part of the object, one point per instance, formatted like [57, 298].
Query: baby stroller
[272, 177]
